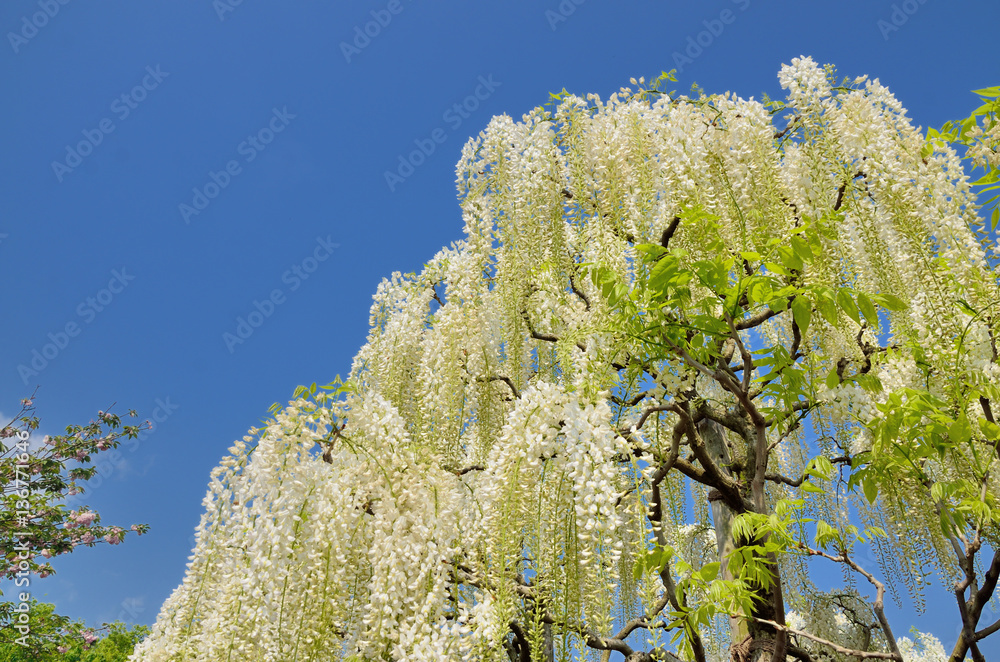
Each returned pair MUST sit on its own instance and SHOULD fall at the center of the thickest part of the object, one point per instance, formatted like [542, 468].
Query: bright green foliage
[56, 638]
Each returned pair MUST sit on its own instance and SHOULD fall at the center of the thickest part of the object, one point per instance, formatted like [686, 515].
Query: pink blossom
[47, 553]
[114, 536]
[88, 538]
[85, 519]
[26, 402]
[89, 637]
[81, 454]
[62, 649]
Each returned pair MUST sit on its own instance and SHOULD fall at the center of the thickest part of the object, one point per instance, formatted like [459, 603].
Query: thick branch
[655, 516]
[878, 607]
[465, 470]
[755, 320]
[866, 655]
[506, 380]
[520, 637]
[547, 337]
[843, 189]
[987, 631]
[578, 292]
[668, 233]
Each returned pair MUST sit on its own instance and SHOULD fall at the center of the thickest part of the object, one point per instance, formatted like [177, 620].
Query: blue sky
[236, 154]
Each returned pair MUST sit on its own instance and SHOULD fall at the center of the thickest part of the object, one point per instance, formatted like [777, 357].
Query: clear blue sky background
[160, 340]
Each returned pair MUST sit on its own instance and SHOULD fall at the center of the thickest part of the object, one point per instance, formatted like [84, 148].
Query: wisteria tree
[693, 354]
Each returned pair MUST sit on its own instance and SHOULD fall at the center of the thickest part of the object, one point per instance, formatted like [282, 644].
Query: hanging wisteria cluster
[541, 452]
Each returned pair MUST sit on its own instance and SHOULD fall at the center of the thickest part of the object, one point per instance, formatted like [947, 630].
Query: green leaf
[801, 312]
[660, 274]
[823, 466]
[990, 430]
[940, 491]
[654, 251]
[709, 572]
[832, 380]
[989, 92]
[995, 218]
[655, 559]
[848, 306]
[870, 383]
[809, 487]
[967, 307]
[778, 304]
[868, 309]
[825, 533]
[870, 488]
[789, 258]
[827, 308]
[801, 248]
[891, 302]
[876, 532]
[989, 178]
[960, 431]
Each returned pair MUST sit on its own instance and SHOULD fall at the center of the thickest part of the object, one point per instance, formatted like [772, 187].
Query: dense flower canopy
[539, 448]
